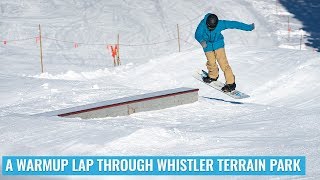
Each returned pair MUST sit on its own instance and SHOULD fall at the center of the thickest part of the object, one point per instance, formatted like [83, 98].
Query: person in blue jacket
[208, 34]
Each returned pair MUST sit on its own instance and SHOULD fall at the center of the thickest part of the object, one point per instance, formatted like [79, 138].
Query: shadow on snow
[217, 99]
[308, 12]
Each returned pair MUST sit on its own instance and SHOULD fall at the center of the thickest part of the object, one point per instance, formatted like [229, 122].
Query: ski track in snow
[280, 118]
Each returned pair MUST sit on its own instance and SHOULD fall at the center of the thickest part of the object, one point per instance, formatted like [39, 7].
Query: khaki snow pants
[220, 56]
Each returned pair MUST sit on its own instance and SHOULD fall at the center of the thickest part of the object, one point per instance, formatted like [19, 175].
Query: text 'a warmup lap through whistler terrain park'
[276, 64]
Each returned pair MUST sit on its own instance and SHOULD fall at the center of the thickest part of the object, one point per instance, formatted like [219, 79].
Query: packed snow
[280, 118]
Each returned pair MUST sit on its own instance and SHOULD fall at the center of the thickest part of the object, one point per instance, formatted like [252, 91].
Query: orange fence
[112, 48]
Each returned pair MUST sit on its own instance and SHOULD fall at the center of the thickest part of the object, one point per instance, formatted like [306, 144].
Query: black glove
[253, 26]
[204, 44]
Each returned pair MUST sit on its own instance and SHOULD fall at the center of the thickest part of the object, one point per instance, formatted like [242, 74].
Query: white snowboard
[218, 85]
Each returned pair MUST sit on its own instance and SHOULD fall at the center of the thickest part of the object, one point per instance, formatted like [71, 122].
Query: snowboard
[218, 85]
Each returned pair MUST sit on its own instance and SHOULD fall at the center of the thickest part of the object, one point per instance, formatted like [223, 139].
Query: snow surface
[280, 118]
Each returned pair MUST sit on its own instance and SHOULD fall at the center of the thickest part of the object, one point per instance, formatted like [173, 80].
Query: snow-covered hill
[281, 117]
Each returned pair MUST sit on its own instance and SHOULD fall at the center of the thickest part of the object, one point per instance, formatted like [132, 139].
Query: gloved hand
[253, 26]
[204, 44]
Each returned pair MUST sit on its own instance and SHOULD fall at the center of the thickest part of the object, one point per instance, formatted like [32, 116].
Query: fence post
[118, 50]
[114, 62]
[301, 32]
[41, 57]
[178, 37]
[289, 28]
[276, 7]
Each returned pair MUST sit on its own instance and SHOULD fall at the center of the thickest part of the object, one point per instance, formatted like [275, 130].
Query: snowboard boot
[209, 79]
[229, 87]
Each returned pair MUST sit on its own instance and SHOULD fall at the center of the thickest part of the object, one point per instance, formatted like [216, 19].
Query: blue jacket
[214, 38]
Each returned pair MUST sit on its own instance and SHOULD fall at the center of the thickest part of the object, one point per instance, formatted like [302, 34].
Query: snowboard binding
[208, 79]
[229, 87]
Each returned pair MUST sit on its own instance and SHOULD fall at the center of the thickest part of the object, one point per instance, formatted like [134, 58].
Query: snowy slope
[281, 117]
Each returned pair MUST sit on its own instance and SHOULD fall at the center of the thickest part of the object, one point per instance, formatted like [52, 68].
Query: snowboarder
[208, 34]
